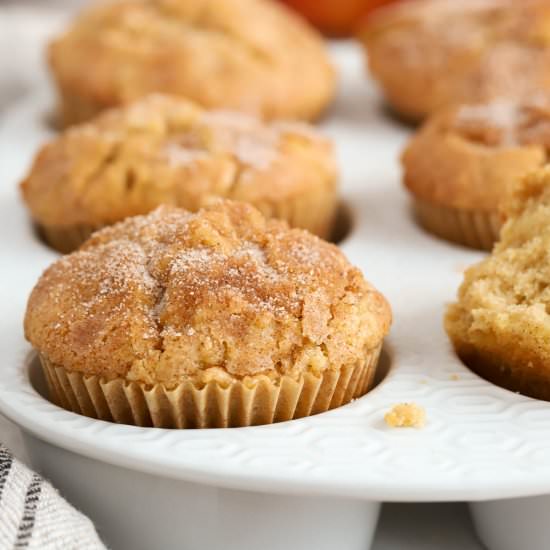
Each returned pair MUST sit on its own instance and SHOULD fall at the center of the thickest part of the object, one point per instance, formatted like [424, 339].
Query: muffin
[464, 160]
[247, 55]
[215, 319]
[166, 150]
[500, 325]
[430, 54]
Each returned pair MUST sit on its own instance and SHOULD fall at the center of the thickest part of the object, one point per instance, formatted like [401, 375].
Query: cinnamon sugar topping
[159, 296]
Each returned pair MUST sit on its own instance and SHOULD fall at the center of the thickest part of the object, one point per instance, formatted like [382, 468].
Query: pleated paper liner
[317, 211]
[66, 239]
[517, 378]
[253, 402]
[320, 219]
[473, 228]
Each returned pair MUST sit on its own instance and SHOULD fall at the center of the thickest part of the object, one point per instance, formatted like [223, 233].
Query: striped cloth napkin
[34, 516]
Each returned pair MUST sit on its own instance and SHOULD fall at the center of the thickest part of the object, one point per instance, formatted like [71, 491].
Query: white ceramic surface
[156, 512]
[513, 524]
[481, 442]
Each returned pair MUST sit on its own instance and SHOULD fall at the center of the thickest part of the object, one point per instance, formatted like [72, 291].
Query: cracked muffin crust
[166, 150]
[249, 55]
[218, 301]
[430, 54]
[464, 160]
[500, 325]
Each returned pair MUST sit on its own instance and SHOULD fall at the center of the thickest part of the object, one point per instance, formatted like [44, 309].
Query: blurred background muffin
[166, 150]
[250, 55]
[463, 162]
[429, 54]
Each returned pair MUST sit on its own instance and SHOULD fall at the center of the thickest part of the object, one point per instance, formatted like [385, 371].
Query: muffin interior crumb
[500, 325]
[406, 415]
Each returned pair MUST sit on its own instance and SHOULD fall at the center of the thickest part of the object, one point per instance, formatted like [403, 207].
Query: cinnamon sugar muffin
[464, 160]
[251, 55]
[219, 318]
[430, 54]
[166, 150]
[500, 325]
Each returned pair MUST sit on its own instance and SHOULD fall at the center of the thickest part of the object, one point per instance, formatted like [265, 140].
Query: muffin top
[249, 55]
[470, 156]
[504, 302]
[223, 293]
[166, 150]
[504, 122]
[472, 50]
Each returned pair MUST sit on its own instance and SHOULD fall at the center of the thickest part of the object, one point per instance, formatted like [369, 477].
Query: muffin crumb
[406, 415]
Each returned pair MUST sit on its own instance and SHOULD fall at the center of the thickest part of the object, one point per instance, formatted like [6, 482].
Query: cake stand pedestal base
[142, 511]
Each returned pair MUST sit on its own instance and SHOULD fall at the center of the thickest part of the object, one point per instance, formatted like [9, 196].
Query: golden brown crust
[430, 54]
[249, 55]
[470, 156]
[165, 150]
[173, 295]
[500, 325]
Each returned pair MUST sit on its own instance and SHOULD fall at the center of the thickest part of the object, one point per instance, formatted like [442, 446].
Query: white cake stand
[310, 483]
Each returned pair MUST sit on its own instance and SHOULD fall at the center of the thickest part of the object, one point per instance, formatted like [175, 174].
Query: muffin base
[76, 109]
[317, 213]
[473, 228]
[249, 402]
[320, 219]
[66, 239]
[520, 379]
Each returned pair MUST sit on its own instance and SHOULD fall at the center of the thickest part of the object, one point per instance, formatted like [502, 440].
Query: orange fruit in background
[335, 17]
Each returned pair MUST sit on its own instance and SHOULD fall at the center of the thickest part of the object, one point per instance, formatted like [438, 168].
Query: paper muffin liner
[75, 108]
[520, 377]
[316, 214]
[250, 402]
[473, 228]
[66, 239]
[298, 213]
